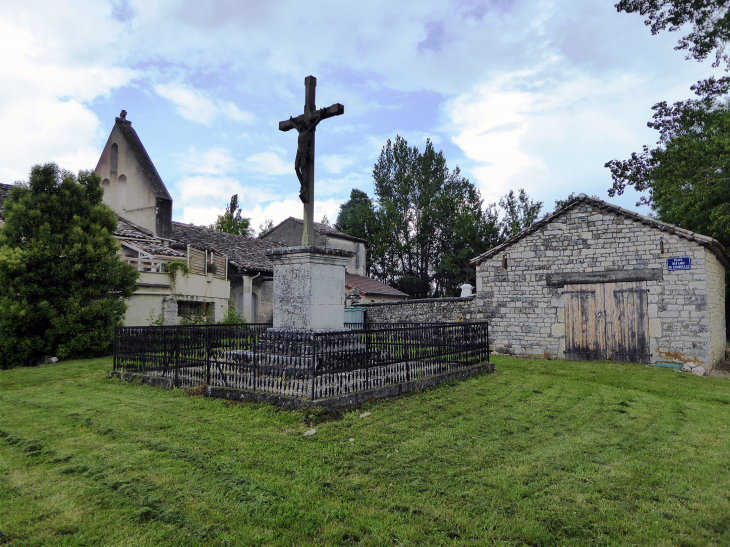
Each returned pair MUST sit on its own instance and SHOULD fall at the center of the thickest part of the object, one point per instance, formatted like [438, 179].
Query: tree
[265, 226]
[520, 212]
[231, 221]
[686, 176]
[710, 20]
[62, 286]
[428, 222]
[357, 216]
[560, 203]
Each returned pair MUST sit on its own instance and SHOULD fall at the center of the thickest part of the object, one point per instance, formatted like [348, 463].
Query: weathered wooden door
[584, 323]
[607, 321]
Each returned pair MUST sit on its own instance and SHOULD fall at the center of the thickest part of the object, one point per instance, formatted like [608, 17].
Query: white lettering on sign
[679, 263]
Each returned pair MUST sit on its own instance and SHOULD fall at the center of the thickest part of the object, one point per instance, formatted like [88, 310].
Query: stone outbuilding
[593, 281]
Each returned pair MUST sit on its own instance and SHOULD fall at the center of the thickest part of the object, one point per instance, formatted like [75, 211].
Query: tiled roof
[367, 285]
[246, 253]
[143, 159]
[717, 249]
[135, 237]
[319, 228]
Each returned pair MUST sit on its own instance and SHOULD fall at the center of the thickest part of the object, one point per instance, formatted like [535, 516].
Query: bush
[62, 286]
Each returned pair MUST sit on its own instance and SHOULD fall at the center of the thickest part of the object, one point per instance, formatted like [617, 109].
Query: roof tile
[367, 285]
[246, 253]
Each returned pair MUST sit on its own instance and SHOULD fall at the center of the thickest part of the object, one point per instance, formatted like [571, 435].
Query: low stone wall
[427, 310]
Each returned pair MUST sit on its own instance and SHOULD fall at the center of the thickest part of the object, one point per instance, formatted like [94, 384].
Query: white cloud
[194, 105]
[232, 111]
[335, 164]
[211, 192]
[290, 207]
[269, 163]
[327, 186]
[216, 161]
[56, 62]
[190, 103]
[550, 136]
[201, 216]
[39, 131]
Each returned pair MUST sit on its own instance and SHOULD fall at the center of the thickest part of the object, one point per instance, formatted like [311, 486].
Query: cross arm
[335, 110]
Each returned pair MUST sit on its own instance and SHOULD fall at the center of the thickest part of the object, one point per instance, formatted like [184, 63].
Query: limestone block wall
[431, 310]
[309, 287]
[685, 308]
[716, 307]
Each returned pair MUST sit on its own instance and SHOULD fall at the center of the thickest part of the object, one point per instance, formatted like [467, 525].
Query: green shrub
[62, 286]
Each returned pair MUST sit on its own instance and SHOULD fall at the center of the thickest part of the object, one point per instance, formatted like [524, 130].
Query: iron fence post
[116, 346]
[176, 358]
[207, 356]
[368, 361]
[314, 361]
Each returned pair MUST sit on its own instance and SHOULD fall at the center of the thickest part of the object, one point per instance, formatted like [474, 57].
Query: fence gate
[607, 321]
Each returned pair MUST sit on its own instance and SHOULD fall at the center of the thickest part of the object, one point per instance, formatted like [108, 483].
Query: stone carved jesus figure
[305, 154]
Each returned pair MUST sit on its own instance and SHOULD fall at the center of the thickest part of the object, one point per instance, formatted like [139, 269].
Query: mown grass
[539, 453]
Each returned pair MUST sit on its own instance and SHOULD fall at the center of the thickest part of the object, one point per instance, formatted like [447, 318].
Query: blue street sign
[679, 263]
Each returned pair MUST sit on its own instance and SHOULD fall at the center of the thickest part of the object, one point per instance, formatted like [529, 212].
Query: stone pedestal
[309, 287]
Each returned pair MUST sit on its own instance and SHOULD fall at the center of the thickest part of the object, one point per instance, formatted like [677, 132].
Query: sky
[533, 94]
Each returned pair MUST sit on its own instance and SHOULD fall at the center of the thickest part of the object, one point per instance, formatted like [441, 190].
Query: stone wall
[526, 314]
[429, 310]
[716, 307]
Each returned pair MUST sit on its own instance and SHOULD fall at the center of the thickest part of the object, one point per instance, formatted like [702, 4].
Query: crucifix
[306, 125]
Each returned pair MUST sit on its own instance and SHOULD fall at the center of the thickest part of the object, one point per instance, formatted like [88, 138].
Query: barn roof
[712, 244]
[367, 285]
[246, 253]
[318, 227]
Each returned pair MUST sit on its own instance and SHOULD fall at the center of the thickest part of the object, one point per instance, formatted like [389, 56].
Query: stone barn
[593, 281]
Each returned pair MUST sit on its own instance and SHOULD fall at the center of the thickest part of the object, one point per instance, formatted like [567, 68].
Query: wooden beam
[335, 110]
[613, 276]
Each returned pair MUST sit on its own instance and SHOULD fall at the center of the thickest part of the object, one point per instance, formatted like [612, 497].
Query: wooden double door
[607, 321]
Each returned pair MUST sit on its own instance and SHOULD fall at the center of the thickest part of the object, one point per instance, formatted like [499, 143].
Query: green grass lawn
[538, 453]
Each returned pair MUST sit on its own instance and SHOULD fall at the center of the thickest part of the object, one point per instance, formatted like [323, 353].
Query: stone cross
[306, 125]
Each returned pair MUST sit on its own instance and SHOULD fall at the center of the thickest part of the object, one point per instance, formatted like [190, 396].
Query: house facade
[132, 186]
[249, 272]
[593, 281]
[289, 233]
[165, 294]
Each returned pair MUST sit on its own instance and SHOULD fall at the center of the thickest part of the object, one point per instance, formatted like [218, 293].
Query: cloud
[327, 186]
[194, 105]
[269, 163]
[43, 130]
[216, 161]
[290, 207]
[549, 136]
[211, 192]
[230, 110]
[51, 72]
[335, 164]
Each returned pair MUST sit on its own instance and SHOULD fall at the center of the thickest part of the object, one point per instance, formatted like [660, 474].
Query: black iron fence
[306, 365]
